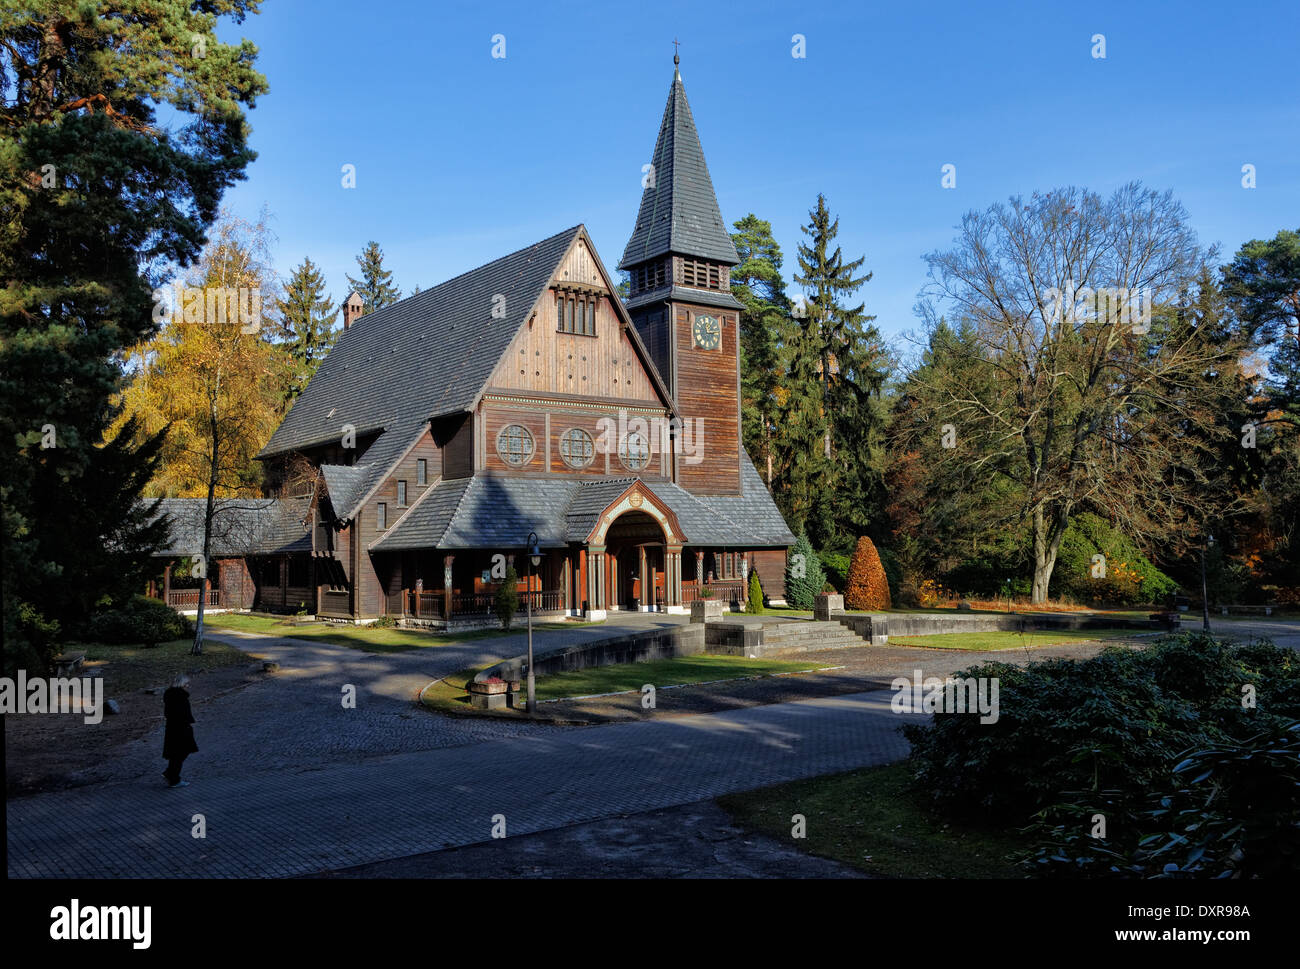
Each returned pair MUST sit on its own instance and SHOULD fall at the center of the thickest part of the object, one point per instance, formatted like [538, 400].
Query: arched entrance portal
[633, 554]
[635, 545]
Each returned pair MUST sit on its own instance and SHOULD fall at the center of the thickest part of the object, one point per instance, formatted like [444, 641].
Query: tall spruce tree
[376, 284]
[843, 347]
[307, 318]
[764, 326]
[100, 200]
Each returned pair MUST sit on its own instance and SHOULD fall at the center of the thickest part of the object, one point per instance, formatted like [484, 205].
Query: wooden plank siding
[540, 415]
[770, 566]
[456, 438]
[707, 388]
[373, 579]
[541, 359]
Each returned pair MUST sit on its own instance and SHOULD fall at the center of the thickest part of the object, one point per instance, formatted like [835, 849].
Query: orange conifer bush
[866, 586]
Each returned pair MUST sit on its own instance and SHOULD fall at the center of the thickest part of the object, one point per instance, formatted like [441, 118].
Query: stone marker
[706, 610]
[826, 606]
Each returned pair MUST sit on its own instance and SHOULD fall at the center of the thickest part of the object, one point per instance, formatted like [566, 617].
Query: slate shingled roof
[426, 356]
[240, 526]
[483, 512]
[345, 484]
[589, 499]
[486, 512]
[681, 294]
[679, 210]
[749, 518]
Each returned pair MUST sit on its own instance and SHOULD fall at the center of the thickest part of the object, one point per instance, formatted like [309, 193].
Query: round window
[576, 447]
[634, 452]
[515, 445]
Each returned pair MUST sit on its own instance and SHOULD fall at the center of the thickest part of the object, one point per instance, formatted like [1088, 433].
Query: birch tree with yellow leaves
[214, 379]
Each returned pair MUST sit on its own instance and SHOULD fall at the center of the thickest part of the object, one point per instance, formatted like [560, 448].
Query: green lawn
[364, 638]
[449, 693]
[868, 819]
[128, 668]
[661, 672]
[1010, 640]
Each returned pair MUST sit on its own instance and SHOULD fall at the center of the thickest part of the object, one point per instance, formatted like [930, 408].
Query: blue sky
[462, 157]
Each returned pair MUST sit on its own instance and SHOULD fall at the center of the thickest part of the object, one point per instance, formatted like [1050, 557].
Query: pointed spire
[679, 210]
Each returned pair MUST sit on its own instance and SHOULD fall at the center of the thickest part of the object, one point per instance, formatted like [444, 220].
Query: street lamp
[534, 560]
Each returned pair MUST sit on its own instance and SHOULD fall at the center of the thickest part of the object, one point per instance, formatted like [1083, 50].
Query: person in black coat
[178, 739]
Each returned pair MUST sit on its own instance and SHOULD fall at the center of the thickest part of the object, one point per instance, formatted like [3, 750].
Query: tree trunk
[1047, 543]
[1205, 594]
[197, 648]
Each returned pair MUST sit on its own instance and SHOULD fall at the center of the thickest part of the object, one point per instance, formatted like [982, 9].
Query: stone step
[808, 645]
[841, 633]
[782, 632]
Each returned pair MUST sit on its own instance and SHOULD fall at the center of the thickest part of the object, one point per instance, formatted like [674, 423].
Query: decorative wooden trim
[575, 402]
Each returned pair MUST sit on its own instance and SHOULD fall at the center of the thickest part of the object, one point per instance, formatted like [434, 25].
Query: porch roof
[498, 512]
[240, 526]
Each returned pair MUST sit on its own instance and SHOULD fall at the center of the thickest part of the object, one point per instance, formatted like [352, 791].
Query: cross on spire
[676, 60]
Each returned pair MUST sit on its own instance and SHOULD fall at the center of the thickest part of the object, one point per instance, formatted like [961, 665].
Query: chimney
[352, 308]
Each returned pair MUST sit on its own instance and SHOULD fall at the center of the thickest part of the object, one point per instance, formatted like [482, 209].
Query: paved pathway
[283, 823]
[296, 718]
[291, 783]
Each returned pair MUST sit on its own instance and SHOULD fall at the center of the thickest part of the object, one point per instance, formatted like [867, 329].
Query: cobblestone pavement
[295, 718]
[291, 783]
[291, 822]
[693, 841]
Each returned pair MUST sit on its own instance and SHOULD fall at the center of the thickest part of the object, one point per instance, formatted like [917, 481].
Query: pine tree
[101, 199]
[307, 317]
[764, 324]
[804, 576]
[376, 284]
[866, 586]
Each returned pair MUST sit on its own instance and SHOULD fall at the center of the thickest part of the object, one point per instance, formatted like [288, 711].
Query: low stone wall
[663, 643]
[877, 629]
[734, 638]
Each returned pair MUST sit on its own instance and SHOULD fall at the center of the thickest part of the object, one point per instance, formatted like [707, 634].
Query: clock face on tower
[708, 334]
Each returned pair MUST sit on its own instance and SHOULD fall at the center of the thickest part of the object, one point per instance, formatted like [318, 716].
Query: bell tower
[679, 258]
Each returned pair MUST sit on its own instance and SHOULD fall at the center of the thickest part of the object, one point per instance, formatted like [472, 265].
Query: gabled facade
[526, 397]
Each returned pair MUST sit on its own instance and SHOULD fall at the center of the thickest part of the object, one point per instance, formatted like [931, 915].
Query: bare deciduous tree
[1076, 375]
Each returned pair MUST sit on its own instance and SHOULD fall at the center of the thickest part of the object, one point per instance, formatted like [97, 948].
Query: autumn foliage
[866, 586]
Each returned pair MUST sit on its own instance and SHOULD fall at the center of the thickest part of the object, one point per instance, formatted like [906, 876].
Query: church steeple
[679, 211]
[679, 263]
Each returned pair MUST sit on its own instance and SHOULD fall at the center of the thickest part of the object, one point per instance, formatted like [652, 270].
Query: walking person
[178, 739]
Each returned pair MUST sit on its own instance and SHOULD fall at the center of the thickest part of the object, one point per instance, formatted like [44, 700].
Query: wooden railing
[729, 592]
[424, 605]
[546, 600]
[189, 598]
[484, 603]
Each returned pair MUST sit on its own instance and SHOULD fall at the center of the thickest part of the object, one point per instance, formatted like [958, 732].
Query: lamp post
[534, 560]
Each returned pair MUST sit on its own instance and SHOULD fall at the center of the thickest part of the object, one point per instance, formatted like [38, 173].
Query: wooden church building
[526, 396]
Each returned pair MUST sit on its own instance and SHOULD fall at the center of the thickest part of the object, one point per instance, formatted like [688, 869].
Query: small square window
[381, 515]
[401, 493]
[421, 472]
